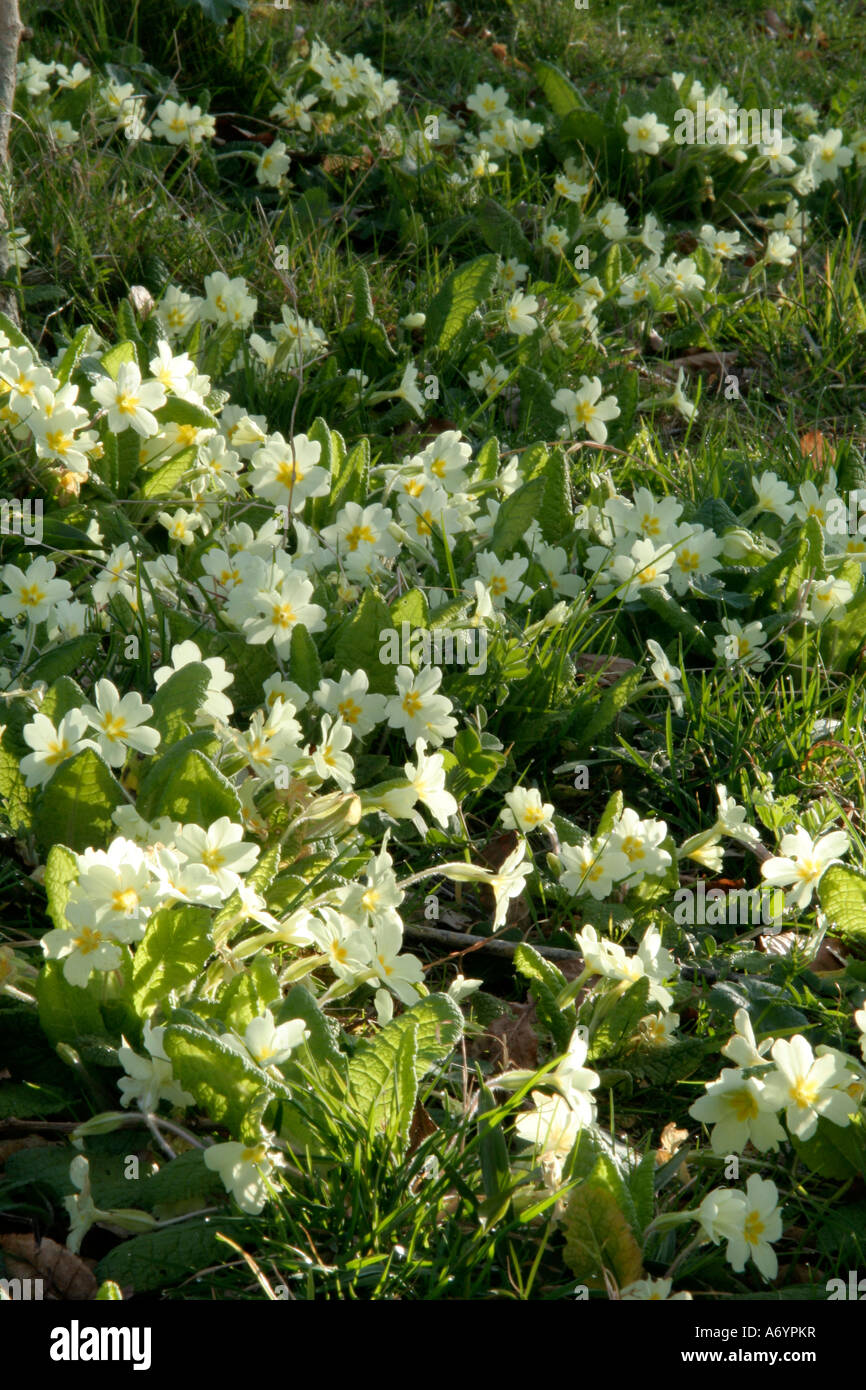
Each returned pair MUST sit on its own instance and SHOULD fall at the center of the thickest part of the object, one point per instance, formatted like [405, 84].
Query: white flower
[585, 409]
[244, 1169]
[737, 1107]
[399, 973]
[525, 811]
[773, 495]
[802, 862]
[742, 646]
[551, 1128]
[652, 1291]
[34, 592]
[130, 401]
[808, 1087]
[351, 700]
[427, 781]
[669, 676]
[221, 849]
[640, 841]
[273, 164]
[646, 133]
[269, 1045]
[82, 951]
[418, 710]
[52, 746]
[762, 1224]
[742, 1047]
[329, 757]
[780, 249]
[227, 301]
[287, 473]
[828, 599]
[589, 870]
[519, 313]
[120, 724]
[149, 1080]
[725, 245]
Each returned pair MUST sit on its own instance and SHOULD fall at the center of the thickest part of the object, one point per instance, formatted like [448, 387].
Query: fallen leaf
[814, 445]
[671, 1140]
[510, 1041]
[421, 1128]
[65, 1276]
[8, 1147]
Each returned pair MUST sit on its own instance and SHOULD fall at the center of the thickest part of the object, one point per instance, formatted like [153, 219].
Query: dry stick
[459, 941]
[10, 33]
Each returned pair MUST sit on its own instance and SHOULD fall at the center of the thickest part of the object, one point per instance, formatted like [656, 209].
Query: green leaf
[842, 894]
[487, 460]
[349, 477]
[555, 515]
[165, 479]
[173, 950]
[158, 771]
[63, 659]
[15, 336]
[73, 354]
[676, 617]
[112, 361]
[598, 1237]
[225, 1084]
[641, 1184]
[501, 231]
[158, 1259]
[109, 1292]
[835, 1151]
[514, 517]
[619, 1025]
[177, 702]
[612, 701]
[562, 95]
[363, 300]
[410, 608]
[178, 1180]
[546, 980]
[84, 780]
[457, 299]
[66, 1011]
[22, 1099]
[61, 869]
[181, 412]
[304, 664]
[492, 1149]
[193, 791]
[321, 1047]
[249, 994]
[358, 644]
[437, 1022]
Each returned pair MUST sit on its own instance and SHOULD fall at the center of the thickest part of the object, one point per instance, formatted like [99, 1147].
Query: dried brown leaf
[66, 1276]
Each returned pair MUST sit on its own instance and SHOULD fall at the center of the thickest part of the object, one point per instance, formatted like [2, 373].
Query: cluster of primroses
[573, 294]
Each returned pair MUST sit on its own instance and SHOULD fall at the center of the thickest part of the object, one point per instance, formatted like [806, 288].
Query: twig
[462, 941]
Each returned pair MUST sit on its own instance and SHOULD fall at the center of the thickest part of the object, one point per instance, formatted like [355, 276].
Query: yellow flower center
[411, 703]
[89, 940]
[124, 900]
[358, 534]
